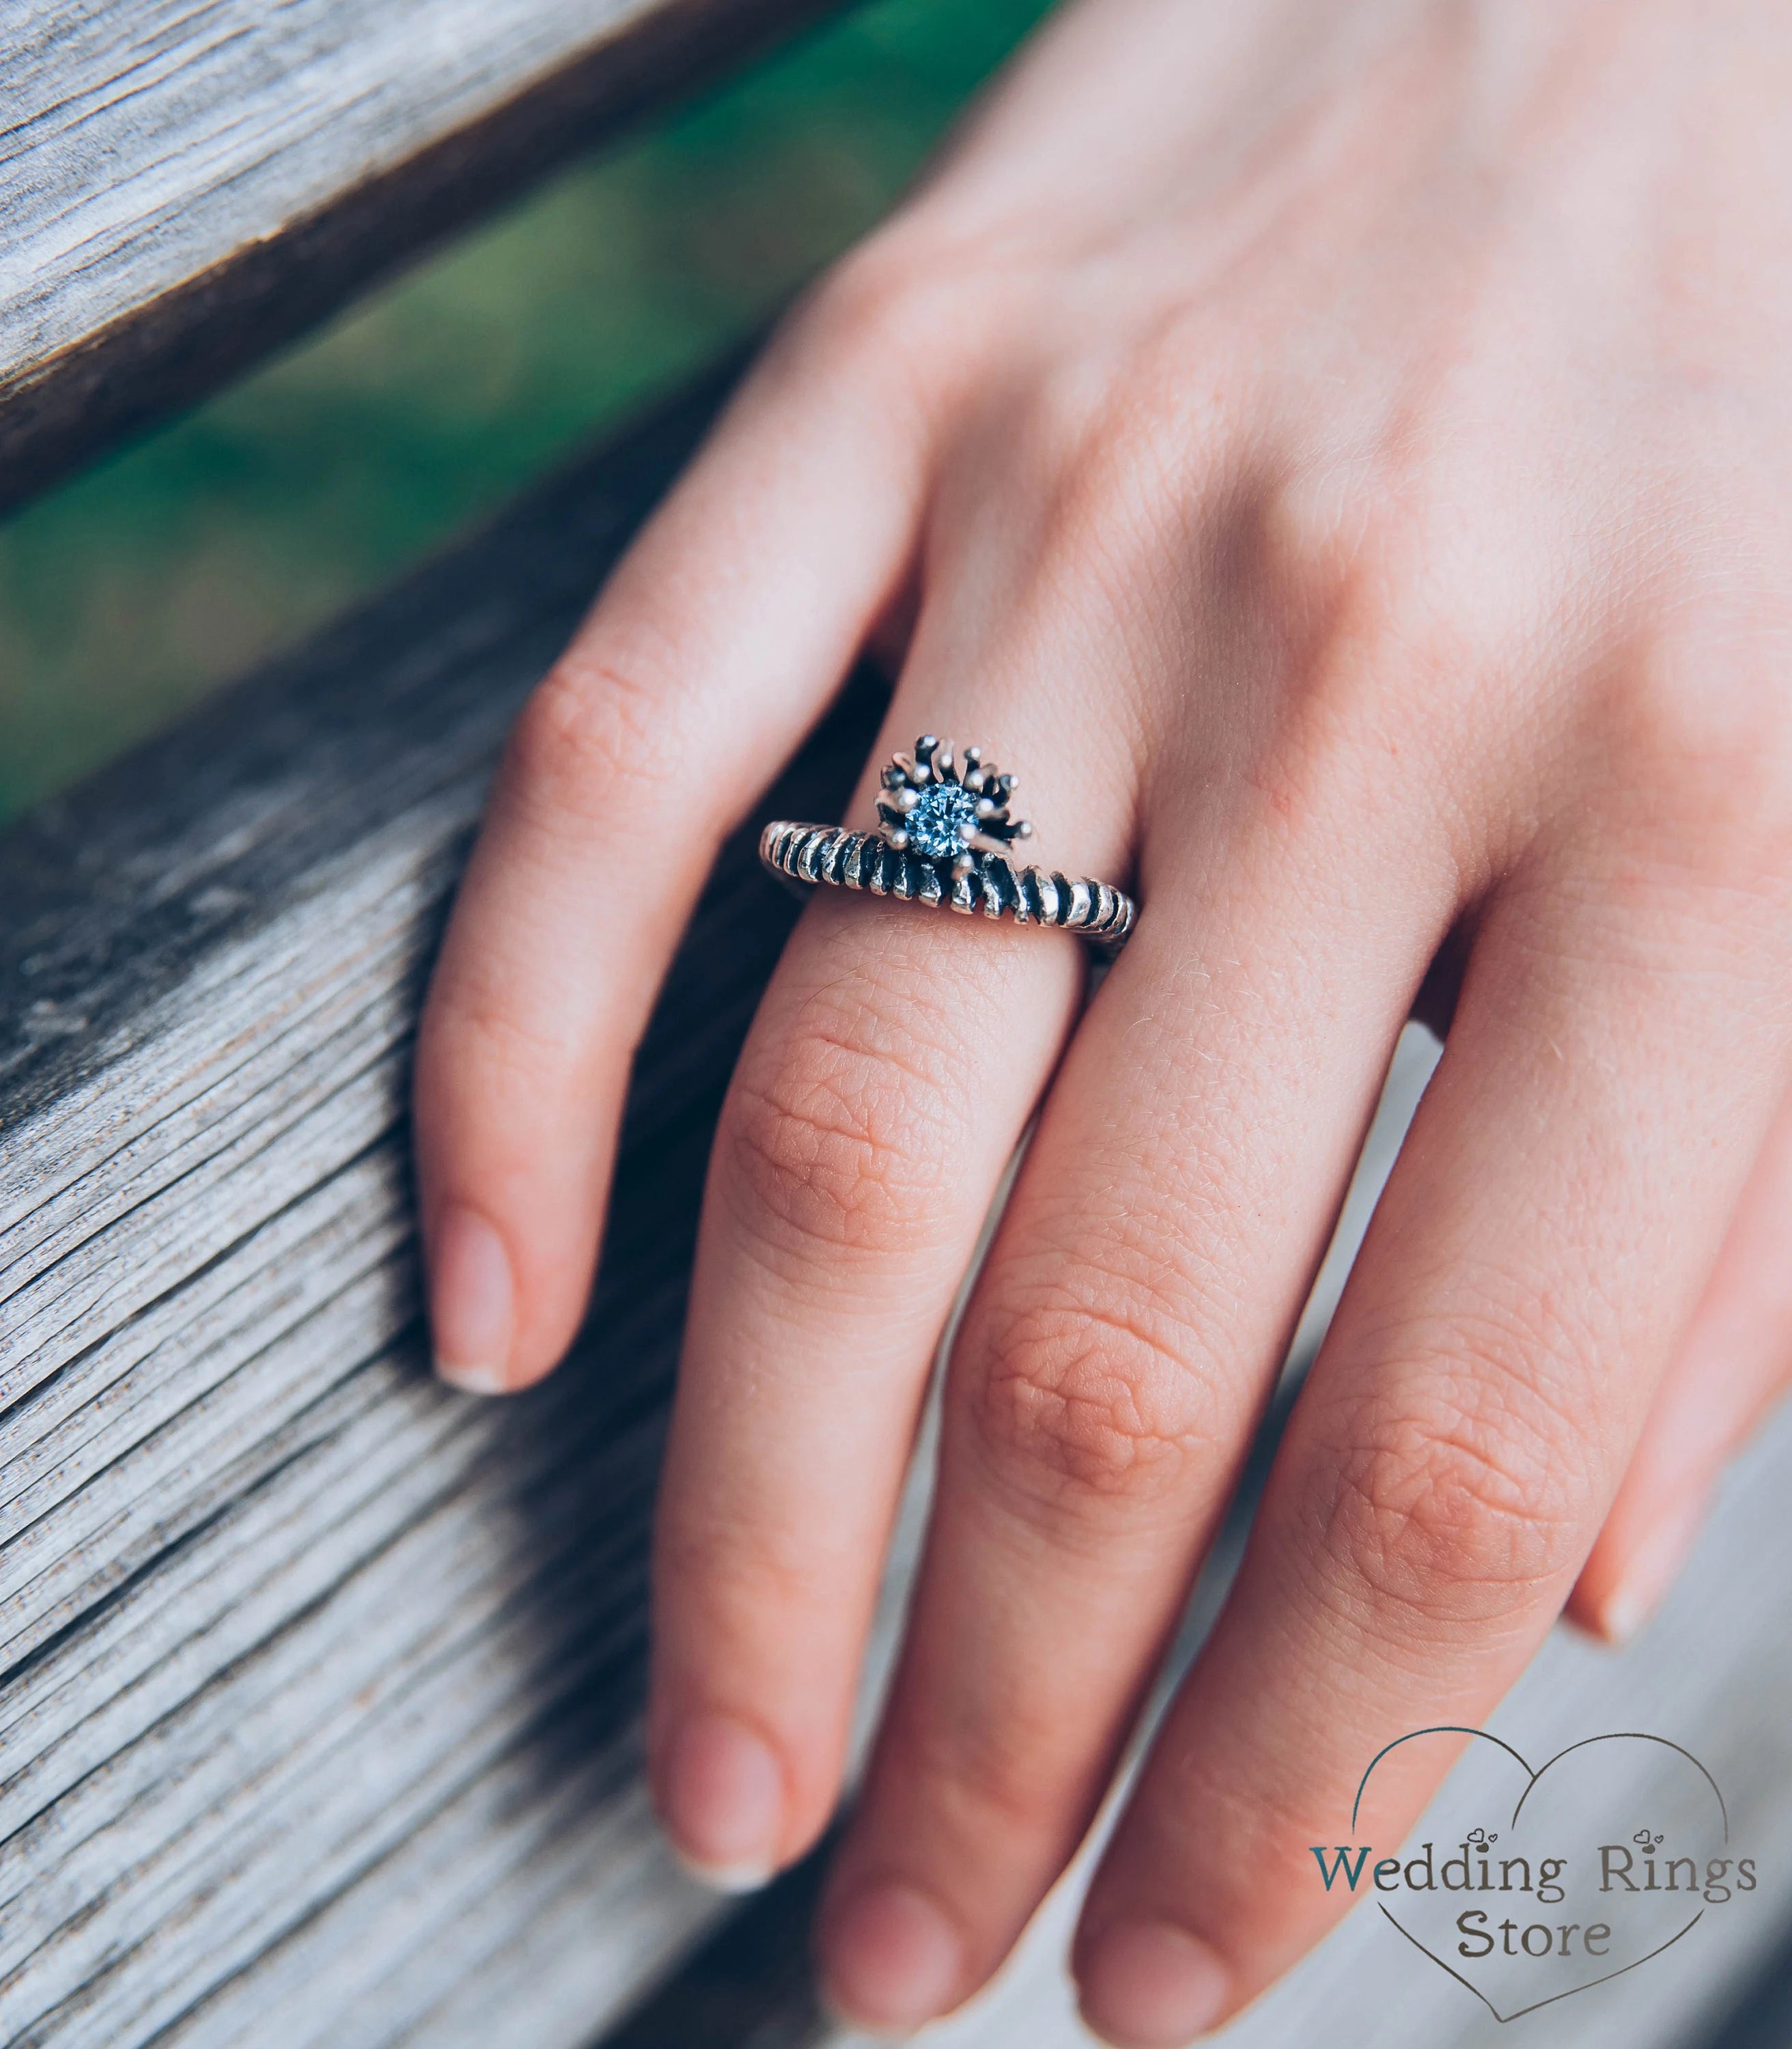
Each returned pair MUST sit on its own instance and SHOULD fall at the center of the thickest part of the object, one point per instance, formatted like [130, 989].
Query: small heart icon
[1560, 1897]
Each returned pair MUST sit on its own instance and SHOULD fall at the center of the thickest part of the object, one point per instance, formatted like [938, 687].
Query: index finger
[718, 643]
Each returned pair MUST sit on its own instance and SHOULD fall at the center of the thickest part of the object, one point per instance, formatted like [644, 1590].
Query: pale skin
[1341, 455]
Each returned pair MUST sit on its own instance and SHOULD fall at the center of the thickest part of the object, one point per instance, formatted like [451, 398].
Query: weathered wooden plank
[317, 1682]
[187, 186]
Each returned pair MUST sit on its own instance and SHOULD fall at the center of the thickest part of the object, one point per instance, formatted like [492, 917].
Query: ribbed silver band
[993, 884]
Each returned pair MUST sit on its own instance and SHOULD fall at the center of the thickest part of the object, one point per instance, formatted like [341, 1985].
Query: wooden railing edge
[179, 345]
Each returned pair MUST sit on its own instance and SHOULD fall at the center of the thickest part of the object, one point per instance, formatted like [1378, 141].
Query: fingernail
[1653, 1566]
[472, 1302]
[891, 1961]
[721, 1797]
[1146, 1985]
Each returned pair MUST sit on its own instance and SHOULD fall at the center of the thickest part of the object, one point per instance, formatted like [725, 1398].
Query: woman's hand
[1343, 453]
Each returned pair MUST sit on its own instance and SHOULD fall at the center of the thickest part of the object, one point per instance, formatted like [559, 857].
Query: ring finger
[1124, 1334]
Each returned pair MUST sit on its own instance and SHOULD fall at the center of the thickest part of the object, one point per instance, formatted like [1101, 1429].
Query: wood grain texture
[318, 1684]
[186, 187]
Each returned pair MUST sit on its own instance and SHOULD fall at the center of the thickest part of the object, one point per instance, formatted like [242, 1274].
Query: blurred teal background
[129, 592]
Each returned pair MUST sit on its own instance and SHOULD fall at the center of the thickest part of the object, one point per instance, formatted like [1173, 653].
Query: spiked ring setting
[941, 806]
[944, 833]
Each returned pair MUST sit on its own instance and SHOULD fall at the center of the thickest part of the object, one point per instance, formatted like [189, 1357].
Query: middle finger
[1122, 1339]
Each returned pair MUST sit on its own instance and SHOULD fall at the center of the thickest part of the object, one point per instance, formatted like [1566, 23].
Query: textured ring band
[935, 809]
[992, 885]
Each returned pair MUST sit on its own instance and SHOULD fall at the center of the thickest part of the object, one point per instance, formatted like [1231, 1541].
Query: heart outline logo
[1532, 1778]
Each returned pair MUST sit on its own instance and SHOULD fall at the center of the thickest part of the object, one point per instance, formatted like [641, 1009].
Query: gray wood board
[319, 1684]
[187, 186]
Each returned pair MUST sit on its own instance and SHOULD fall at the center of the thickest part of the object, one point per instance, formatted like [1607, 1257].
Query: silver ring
[943, 835]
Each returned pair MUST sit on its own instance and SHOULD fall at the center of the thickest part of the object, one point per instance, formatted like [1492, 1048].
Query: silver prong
[974, 779]
[896, 837]
[963, 863]
[906, 800]
[973, 755]
[984, 808]
[967, 833]
[943, 761]
[1023, 829]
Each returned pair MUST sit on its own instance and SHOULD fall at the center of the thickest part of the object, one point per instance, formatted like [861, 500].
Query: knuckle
[1140, 438]
[889, 310]
[924, 310]
[481, 1030]
[1389, 655]
[735, 1564]
[868, 297]
[1702, 726]
[1085, 1395]
[1315, 524]
[1460, 1509]
[989, 1776]
[596, 732]
[1385, 632]
[834, 1144]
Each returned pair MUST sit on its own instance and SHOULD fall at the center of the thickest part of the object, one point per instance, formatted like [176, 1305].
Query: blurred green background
[129, 592]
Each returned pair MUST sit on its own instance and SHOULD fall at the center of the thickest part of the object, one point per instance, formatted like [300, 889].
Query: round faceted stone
[935, 826]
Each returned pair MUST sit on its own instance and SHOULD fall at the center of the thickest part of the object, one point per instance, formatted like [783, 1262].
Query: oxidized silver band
[935, 809]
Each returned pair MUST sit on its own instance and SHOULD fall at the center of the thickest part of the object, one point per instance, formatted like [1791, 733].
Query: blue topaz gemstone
[938, 824]
[941, 802]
